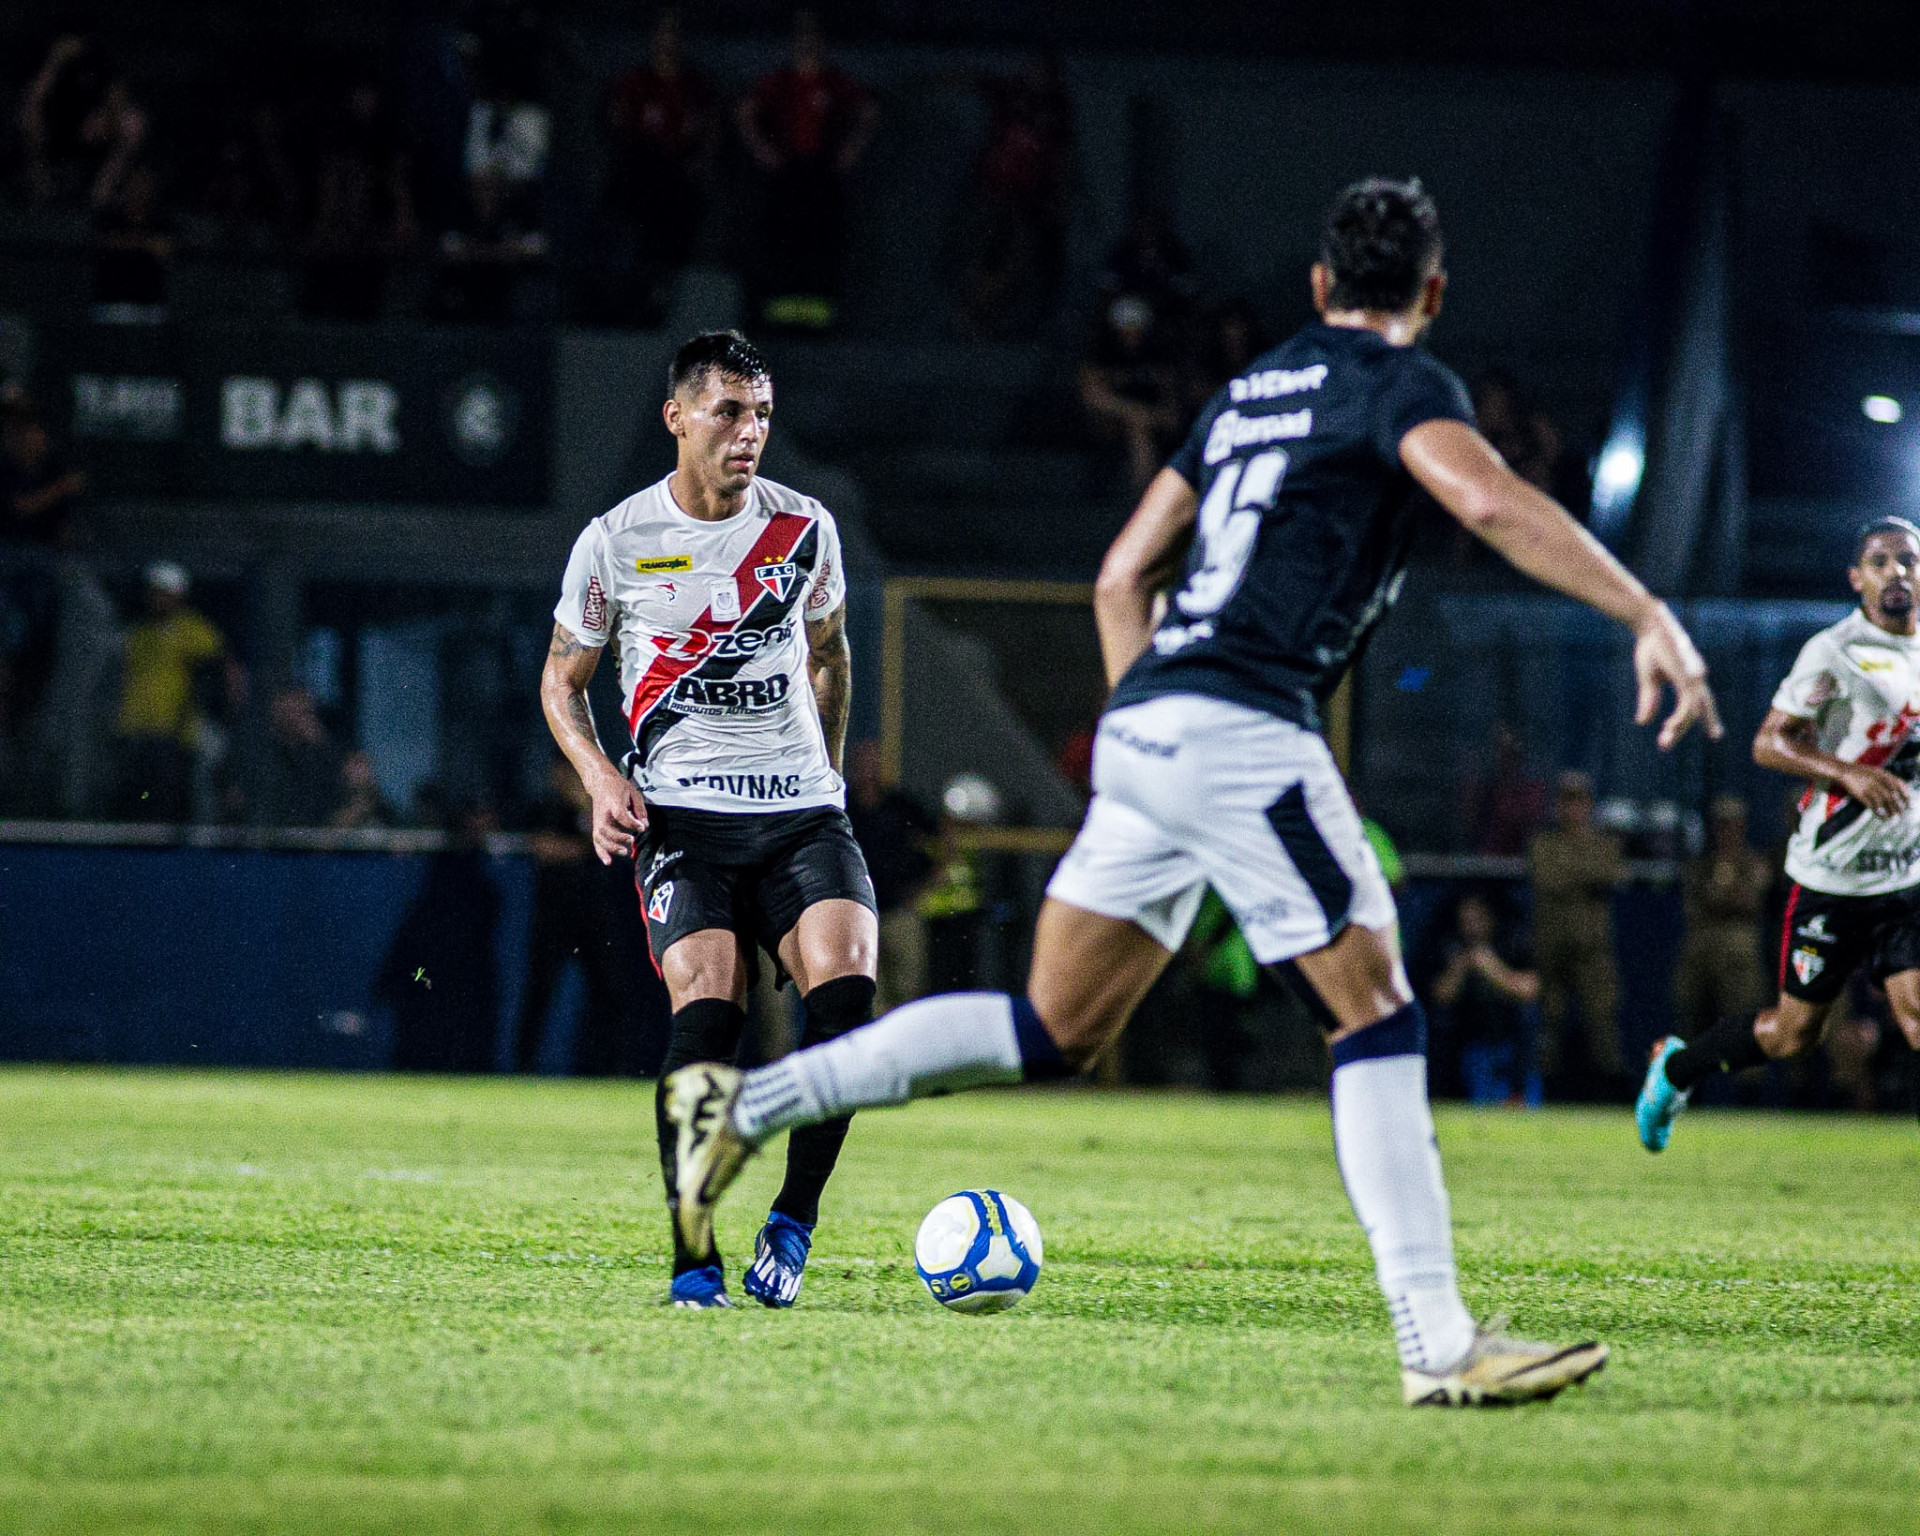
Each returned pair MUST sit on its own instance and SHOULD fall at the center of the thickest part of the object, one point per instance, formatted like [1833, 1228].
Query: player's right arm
[1787, 743]
[619, 814]
[1140, 562]
[1466, 475]
[582, 625]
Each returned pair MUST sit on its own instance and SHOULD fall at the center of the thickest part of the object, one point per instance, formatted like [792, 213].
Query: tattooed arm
[618, 811]
[830, 670]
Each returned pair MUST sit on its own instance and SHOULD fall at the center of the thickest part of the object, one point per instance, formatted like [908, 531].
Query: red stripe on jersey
[1786, 932]
[777, 542]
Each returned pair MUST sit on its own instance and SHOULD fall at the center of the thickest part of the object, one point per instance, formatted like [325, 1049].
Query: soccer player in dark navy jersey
[1281, 529]
[1300, 536]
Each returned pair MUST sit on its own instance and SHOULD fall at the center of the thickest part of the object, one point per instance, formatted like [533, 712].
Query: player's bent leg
[1735, 1043]
[1090, 970]
[706, 982]
[831, 952]
[1903, 998]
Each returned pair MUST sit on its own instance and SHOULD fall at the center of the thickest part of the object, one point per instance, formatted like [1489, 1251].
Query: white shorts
[1190, 791]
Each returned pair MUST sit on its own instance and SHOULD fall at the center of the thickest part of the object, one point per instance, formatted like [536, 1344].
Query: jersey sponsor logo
[656, 565]
[1275, 382]
[748, 786]
[778, 578]
[593, 612]
[1231, 431]
[1886, 861]
[698, 644]
[1807, 964]
[822, 586]
[660, 903]
[1177, 637]
[1869, 660]
[698, 695]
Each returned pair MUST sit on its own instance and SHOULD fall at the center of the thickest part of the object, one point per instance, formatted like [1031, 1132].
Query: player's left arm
[1462, 471]
[830, 671]
[1141, 561]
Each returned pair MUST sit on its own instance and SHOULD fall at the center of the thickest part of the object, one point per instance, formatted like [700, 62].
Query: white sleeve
[1811, 683]
[583, 610]
[829, 588]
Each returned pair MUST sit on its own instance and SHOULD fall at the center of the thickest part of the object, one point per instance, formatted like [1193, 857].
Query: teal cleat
[1660, 1102]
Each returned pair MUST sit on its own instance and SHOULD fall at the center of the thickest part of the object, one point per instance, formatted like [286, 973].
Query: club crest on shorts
[660, 903]
[1807, 964]
[778, 578]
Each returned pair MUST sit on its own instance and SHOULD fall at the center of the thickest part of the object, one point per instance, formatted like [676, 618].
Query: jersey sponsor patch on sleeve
[822, 586]
[656, 565]
[593, 612]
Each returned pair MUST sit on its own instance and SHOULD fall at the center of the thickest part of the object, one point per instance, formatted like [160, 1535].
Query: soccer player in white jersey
[1845, 721]
[1297, 489]
[725, 598]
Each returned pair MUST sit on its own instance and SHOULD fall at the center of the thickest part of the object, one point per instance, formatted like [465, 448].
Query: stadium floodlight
[1881, 408]
[1616, 478]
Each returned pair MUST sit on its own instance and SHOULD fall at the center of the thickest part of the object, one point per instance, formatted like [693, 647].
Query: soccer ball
[978, 1251]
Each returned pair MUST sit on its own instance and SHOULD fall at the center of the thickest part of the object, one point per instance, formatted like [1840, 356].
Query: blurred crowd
[343, 164]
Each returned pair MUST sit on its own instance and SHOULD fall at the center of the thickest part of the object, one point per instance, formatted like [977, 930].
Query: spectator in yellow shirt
[161, 723]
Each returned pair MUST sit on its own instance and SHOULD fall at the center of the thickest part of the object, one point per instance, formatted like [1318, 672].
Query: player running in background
[726, 600]
[1844, 719]
[1297, 492]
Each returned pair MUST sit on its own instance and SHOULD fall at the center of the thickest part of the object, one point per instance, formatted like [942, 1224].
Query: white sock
[961, 1040]
[1383, 1136]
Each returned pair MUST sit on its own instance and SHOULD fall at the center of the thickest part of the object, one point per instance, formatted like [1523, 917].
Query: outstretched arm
[619, 813]
[1139, 564]
[1464, 473]
[830, 670]
[1787, 744]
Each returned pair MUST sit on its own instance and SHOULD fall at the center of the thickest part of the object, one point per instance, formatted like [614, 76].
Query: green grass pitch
[324, 1304]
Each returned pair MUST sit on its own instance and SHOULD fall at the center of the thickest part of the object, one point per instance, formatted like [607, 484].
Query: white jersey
[710, 620]
[1861, 688]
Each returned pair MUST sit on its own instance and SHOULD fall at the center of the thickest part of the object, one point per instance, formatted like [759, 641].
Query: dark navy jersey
[1306, 514]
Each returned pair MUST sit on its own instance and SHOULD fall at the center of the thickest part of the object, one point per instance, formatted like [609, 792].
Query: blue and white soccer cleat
[1660, 1102]
[779, 1261]
[705, 1287]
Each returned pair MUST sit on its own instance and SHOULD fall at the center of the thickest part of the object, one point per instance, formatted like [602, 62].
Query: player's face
[1886, 579]
[722, 427]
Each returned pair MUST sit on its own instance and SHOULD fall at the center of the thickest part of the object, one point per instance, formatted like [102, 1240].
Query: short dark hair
[1381, 240]
[1887, 524]
[726, 352]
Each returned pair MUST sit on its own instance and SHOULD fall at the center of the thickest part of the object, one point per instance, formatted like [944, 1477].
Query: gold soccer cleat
[1497, 1371]
[709, 1151]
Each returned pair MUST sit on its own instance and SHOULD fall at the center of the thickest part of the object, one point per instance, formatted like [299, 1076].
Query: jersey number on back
[1229, 524]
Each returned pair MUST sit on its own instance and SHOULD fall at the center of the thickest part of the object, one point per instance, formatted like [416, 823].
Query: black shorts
[751, 873]
[1824, 938]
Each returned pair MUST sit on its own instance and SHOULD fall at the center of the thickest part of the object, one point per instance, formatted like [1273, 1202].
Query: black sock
[833, 1008]
[707, 1029]
[1728, 1047]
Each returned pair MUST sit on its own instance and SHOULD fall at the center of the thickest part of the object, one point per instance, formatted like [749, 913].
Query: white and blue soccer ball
[978, 1251]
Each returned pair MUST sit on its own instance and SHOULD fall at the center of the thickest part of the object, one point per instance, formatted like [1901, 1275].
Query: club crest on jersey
[1807, 965]
[660, 903]
[777, 578]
